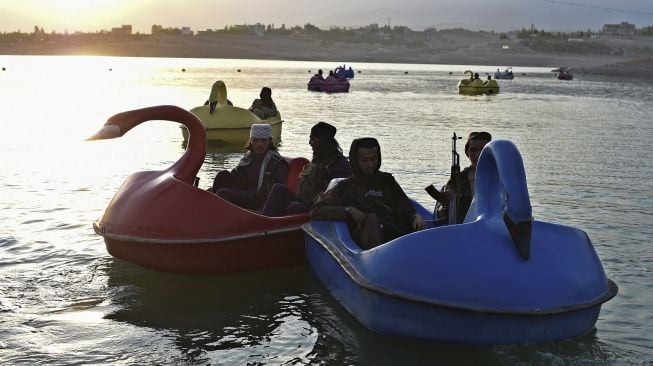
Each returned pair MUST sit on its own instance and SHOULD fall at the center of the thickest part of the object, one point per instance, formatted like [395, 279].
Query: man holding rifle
[372, 202]
[455, 198]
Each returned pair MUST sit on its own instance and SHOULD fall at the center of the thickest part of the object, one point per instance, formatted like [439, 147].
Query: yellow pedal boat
[475, 86]
[226, 124]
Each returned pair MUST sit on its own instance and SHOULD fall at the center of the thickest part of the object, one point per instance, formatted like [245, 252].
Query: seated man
[264, 107]
[327, 163]
[249, 184]
[372, 202]
[473, 147]
[319, 75]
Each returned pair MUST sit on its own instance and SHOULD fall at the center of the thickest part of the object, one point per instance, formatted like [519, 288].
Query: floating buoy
[359, 71]
[183, 70]
[523, 74]
[309, 71]
[3, 69]
[238, 70]
[110, 69]
[450, 72]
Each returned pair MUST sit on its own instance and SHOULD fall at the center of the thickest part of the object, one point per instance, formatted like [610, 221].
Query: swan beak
[521, 235]
[106, 132]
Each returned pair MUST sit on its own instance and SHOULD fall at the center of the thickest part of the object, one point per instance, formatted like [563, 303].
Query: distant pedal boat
[504, 75]
[229, 125]
[329, 85]
[471, 86]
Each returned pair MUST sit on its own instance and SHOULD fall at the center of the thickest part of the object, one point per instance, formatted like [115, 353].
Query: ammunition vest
[314, 178]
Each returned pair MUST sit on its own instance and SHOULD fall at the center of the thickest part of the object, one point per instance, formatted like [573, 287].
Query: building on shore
[125, 30]
[624, 29]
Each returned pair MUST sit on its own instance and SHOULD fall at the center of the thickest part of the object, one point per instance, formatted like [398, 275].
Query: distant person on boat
[249, 183]
[319, 75]
[475, 76]
[375, 207]
[327, 163]
[473, 147]
[264, 107]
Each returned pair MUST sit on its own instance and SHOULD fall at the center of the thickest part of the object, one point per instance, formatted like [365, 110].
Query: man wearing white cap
[249, 184]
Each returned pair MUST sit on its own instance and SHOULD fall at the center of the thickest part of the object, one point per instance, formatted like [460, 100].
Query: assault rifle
[385, 214]
[450, 201]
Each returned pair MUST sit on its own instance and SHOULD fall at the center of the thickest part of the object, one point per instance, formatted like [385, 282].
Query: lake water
[65, 300]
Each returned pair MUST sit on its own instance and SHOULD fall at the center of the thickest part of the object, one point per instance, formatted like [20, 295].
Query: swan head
[501, 190]
[218, 95]
[106, 132]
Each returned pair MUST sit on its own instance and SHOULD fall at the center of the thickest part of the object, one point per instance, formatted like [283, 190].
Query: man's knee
[223, 179]
[370, 231]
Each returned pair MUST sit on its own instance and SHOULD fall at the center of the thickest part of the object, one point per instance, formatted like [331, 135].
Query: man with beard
[327, 163]
[375, 207]
[248, 185]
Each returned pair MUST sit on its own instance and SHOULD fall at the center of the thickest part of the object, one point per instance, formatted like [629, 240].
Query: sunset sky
[93, 15]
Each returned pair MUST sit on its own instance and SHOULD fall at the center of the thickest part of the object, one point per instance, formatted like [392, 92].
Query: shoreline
[452, 50]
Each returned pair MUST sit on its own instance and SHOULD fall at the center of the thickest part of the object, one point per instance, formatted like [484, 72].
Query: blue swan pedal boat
[499, 278]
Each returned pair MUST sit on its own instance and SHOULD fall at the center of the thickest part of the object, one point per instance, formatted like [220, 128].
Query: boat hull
[230, 125]
[329, 86]
[235, 136]
[477, 87]
[159, 222]
[253, 253]
[478, 90]
[389, 314]
[503, 76]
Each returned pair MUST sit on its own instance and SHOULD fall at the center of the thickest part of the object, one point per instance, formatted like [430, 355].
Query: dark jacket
[247, 174]
[315, 176]
[379, 193]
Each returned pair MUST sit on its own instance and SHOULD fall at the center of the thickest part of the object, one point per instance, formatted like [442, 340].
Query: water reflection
[213, 317]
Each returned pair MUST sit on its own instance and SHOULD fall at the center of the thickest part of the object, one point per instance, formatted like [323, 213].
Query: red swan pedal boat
[161, 220]
[329, 85]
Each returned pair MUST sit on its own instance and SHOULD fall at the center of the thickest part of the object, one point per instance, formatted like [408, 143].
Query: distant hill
[494, 15]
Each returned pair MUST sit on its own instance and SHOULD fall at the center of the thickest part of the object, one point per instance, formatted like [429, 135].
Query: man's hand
[356, 214]
[418, 222]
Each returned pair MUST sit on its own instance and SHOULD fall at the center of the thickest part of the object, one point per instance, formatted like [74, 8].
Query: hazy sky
[93, 15]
